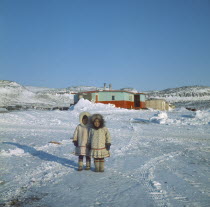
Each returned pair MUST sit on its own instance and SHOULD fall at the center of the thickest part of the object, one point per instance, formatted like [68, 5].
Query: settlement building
[120, 98]
[158, 104]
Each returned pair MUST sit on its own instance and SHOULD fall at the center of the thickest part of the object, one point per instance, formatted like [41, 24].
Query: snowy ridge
[38, 89]
[129, 89]
[13, 95]
[77, 89]
[185, 93]
[188, 96]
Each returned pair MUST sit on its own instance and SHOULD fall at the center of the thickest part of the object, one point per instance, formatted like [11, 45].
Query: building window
[113, 98]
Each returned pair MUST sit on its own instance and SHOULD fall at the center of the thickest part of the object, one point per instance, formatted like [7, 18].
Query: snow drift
[86, 105]
[192, 118]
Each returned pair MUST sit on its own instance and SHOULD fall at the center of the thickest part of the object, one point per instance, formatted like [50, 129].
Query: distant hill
[186, 96]
[77, 89]
[16, 96]
[185, 91]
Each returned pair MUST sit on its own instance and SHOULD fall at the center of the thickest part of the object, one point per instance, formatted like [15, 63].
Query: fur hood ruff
[100, 118]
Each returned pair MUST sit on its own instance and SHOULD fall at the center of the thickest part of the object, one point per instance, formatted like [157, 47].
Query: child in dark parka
[99, 141]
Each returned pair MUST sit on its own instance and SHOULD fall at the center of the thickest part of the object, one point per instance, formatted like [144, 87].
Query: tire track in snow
[145, 174]
[188, 179]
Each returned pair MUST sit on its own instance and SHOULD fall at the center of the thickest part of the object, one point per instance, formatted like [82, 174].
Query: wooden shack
[158, 104]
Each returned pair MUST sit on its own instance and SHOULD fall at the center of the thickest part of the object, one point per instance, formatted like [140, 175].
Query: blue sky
[144, 44]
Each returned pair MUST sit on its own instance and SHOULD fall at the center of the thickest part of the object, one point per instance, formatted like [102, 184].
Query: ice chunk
[160, 118]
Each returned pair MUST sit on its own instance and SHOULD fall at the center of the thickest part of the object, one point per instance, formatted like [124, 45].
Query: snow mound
[3, 110]
[202, 117]
[194, 118]
[159, 118]
[13, 152]
[85, 105]
[188, 118]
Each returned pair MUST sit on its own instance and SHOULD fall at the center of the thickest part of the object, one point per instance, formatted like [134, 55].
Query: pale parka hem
[98, 138]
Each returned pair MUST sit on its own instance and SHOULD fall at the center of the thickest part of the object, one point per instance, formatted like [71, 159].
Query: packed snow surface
[157, 159]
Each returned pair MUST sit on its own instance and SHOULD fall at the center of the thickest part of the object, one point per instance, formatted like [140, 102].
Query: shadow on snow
[45, 156]
[140, 121]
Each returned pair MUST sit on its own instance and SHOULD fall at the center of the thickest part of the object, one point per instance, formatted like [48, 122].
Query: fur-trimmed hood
[85, 113]
[100, 118]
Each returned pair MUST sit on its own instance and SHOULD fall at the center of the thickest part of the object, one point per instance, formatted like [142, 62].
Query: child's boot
[80, 163]
[101, 165]
[97, 163]
[88, 163]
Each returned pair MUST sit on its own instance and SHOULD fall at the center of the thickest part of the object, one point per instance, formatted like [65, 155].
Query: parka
[99, 138]
[81, 136]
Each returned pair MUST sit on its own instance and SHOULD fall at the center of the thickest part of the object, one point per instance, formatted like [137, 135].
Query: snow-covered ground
[157, 159]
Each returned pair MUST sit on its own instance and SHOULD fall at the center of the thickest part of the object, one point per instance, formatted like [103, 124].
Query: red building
[120, 98]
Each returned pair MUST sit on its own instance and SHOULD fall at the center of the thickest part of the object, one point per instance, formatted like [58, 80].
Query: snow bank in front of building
[174, 117]
[85, 105]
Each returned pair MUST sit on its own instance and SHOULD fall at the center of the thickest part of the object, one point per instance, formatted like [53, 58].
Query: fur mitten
[108, 146]
[75, 143]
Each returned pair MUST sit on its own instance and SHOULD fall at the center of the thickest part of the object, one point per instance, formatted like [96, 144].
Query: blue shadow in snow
[44, 155]
[188, 116]
[140, 121]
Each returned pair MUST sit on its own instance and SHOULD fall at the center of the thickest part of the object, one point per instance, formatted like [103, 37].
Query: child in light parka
[80, 141]
[99, 141]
